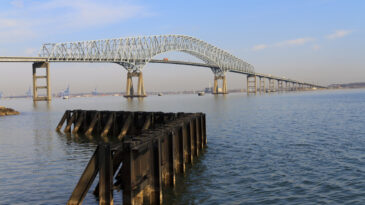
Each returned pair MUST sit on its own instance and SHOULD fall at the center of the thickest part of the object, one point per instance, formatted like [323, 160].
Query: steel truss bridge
[135, 52]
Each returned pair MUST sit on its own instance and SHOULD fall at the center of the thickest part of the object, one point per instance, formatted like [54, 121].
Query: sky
[319, 41]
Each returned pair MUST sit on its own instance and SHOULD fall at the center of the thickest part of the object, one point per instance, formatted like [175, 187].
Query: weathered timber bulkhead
[153, 148]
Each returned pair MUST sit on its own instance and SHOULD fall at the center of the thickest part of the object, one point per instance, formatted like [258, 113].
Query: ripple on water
[297, 148]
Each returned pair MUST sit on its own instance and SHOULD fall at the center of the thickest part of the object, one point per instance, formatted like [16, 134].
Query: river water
[287, 148]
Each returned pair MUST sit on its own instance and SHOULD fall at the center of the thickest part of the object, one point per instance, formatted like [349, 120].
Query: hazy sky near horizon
[320, 41]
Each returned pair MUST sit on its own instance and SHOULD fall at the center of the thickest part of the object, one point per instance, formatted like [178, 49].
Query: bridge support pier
[140, 87]
[46, 86]
[271, 85]
[262, 84]
[251, 84]
[280, 85]
[216, 89]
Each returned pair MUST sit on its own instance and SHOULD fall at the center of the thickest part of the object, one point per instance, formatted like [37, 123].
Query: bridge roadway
[41, 62]
[260, 75]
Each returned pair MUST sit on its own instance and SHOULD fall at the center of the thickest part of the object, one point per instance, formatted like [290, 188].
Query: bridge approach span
[260, 75]
[135, 52]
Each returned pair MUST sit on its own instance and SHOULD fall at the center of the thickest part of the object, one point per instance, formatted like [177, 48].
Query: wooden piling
[69, 123]
[81, 116]
[105, 175]
[93, 122]
[108, 125]
[126, 125]
[63, 119]
[85, 181]
[153, 148]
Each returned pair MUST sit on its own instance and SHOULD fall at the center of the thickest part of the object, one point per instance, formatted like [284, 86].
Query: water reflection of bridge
[134, 53]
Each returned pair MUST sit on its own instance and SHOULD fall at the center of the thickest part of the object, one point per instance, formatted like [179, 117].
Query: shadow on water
[82, 138]
[135, 103]
[184, 182]
[42, 105]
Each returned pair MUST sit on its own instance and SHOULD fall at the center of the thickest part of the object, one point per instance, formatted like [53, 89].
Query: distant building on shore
[209, 89]
[28, 93]
[95, 92]
[348, 85]
[66, 93]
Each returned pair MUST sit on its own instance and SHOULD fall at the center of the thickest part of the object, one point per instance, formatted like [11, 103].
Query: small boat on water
[160, 94]
[201, 93]
[65, 97]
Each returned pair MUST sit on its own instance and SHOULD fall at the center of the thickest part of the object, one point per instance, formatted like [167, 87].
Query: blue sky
[311, 40]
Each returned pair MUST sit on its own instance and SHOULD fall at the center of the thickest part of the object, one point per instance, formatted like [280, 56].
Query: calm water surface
[290, 148]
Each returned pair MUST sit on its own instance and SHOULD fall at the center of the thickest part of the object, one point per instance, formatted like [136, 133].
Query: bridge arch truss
[135, 52]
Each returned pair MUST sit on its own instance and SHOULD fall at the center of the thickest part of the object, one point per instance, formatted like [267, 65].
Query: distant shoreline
[347, 85]
[77, 95]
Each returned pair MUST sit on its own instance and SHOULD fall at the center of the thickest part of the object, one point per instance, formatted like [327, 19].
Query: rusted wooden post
[147, 122]
[167, 158]
[193, 139]
[190, 143]
[171, 153]
[196, 136]
[204, 131]
[126, 125]
[128, 175]
[179, 148]
[69, 123]
[108, 125]
[198, 133]
[85, 181]
[117, 160]
[62, 121]
[81, 116]
[105, 175]
[156, 193]
[182, 159]
[186, 145]
[92, 124]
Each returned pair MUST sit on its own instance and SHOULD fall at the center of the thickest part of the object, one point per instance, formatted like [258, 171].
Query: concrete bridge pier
[140, 87]
[280, 85]
[251, 84]
[272, 85]
[39, 85]
[287, 86]
[262, 84]
[216, 89]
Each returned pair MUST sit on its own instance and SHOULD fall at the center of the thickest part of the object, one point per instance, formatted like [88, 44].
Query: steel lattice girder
[138, 51]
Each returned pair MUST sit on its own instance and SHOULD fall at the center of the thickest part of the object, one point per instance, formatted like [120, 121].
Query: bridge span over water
[135, 52]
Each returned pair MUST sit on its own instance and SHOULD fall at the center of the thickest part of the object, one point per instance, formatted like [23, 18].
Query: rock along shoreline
[7, 111]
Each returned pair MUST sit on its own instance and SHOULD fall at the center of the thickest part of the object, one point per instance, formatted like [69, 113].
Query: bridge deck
[21, 59]
[40, 59]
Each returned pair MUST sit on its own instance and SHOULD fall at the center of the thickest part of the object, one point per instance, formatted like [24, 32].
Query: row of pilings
[152, 149]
